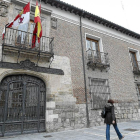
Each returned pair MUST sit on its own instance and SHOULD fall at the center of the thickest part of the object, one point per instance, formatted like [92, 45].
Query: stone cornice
[24, 2]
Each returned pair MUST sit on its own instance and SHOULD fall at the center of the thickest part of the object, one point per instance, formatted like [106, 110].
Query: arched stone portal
[22, 104]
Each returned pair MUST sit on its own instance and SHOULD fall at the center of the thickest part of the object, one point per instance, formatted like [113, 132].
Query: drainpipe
[87, 114]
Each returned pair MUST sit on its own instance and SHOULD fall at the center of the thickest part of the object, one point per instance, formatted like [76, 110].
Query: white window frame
[99, 39]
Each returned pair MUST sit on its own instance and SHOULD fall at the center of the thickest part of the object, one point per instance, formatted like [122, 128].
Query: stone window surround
[31, 14]
[54, 23]
[137, 55]
[99, 39]
[44, 10]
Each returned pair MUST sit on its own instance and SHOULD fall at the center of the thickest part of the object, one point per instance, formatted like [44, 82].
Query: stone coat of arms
[3, 8]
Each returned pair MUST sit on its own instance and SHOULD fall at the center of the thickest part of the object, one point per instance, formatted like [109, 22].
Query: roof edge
[72, 9]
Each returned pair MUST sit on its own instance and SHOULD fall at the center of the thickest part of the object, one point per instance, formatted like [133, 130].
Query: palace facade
[63, 83]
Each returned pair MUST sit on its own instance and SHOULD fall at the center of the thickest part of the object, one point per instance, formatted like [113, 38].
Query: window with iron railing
[94, 54]
[99, 91]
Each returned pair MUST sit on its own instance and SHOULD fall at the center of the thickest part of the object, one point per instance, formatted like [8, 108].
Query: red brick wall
[67, 43]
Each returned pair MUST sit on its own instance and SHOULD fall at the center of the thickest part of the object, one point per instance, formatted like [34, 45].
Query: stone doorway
[22, 105]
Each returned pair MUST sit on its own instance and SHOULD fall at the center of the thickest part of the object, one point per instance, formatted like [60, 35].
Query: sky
[125, 13]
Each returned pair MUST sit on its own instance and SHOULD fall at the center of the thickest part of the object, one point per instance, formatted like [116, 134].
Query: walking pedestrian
[110, 119]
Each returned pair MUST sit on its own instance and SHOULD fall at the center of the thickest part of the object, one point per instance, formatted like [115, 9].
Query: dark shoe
[122, 137]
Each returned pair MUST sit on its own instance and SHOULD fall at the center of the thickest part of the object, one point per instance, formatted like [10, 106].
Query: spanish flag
[38, 26]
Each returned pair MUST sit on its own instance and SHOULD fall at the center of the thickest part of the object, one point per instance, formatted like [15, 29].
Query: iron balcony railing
[97, 57]
[22, 39]
[136, 67]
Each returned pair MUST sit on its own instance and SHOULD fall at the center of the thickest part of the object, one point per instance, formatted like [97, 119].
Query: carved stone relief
[3, 8]
[54, 23]
[28, 65]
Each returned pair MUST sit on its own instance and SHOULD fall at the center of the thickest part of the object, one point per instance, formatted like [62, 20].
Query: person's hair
[111, 101]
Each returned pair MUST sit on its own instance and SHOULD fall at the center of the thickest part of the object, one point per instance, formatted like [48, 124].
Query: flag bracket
[3, 41]
[51, 61]
[18, 55]
[2, 53]
[38, 58]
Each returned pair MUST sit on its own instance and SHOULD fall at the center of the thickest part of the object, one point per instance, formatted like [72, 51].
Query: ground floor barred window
[99, 91]
[138, 93]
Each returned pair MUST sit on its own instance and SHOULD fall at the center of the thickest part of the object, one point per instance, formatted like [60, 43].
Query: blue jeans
[108, 131]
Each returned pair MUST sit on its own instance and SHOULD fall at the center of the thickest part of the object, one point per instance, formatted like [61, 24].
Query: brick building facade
[64, 82]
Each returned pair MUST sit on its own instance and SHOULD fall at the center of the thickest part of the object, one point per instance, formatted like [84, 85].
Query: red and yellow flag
[38, 27]
[37, 20]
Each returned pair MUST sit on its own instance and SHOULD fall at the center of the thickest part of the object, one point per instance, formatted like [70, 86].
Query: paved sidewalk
[131, 131]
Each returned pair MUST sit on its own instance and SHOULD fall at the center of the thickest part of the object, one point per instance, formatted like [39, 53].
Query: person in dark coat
[111, 119]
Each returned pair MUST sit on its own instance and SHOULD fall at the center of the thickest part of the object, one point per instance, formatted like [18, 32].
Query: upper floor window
[27, 27]
[134, 60]
[93, 50]
[22, 33]
[92, 45]
[95, 54]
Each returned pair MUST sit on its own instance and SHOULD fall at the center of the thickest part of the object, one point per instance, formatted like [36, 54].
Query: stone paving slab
[131, 131]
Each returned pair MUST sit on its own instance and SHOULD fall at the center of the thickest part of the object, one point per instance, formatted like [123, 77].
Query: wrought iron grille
[138, 93]
[99, 91]
[97, 57]
[22, 105]
[22, 39]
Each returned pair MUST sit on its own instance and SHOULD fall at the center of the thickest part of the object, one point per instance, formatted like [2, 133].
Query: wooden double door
[22, 105]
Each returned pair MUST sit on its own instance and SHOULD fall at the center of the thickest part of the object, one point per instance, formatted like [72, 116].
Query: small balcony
[21, 42]
[136, 68]
[97, 59]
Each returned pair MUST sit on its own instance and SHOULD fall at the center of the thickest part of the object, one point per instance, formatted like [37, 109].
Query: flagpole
[40, 18]
[29, 26]
[30, 4]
